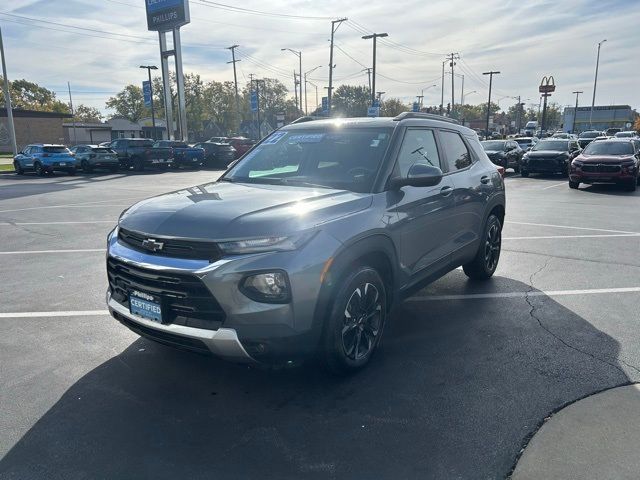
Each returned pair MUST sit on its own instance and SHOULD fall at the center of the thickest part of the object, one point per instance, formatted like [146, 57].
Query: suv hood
[223, 210]
[546, 153]
[614, 159]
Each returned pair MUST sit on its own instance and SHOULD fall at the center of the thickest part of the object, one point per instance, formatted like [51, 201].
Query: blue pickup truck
[183, 154]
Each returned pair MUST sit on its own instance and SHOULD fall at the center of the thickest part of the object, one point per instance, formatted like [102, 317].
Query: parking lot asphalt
[467, 373]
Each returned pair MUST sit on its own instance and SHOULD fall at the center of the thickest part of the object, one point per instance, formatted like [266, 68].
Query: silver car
[90, 157]
[306, 242]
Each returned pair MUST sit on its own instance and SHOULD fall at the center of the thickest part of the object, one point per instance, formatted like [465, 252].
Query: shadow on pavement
[456, 390]
[608, 189]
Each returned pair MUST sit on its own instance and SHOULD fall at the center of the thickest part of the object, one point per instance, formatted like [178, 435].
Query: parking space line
[4, 224]
[31, 252]
[66, 206]
[72, 313]
[526, 294]
[573, 236]
[554, 186]
[569, 227]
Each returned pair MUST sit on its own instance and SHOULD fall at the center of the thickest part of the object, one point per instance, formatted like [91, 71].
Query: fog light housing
[267, 287]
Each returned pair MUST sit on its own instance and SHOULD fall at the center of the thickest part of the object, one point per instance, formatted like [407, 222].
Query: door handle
[484, 180]
[446, 191]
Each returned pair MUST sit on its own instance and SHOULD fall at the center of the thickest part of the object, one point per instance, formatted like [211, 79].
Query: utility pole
[235, 79]
[374, 36]
[330, 89]
[7, 99]
[491, 74]
[575, 111]
[251, 75]
[379, 95]
[451, 58]
[297, 53]
[153, 113]
[295, 86]
[442, 88]
[258, 102]
[595, 83]
[73, 117]
[368, 70]
[518, 115]
[316, 87]
[462, 91]
[306, 110]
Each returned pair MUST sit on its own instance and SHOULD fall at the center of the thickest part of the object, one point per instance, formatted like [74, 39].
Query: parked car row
[128, 153]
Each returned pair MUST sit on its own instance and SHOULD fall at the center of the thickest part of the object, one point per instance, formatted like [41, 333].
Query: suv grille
[184, 298]
[600, 168]
[172, 248]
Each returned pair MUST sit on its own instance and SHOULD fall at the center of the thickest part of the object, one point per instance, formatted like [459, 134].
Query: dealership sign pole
[168, 16]
[546, 88]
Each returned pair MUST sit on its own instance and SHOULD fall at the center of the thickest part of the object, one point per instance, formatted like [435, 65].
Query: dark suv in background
[303, 246]
[550, 155]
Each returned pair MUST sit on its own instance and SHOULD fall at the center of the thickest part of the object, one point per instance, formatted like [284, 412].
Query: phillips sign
[163, 15]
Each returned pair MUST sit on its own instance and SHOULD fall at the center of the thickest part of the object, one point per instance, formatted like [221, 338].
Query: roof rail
[307, 118]
[426, 116]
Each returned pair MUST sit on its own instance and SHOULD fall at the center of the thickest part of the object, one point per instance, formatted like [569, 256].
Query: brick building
[31, 127]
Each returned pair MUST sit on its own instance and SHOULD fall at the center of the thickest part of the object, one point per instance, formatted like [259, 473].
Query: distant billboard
[146, 93]
[163, 15]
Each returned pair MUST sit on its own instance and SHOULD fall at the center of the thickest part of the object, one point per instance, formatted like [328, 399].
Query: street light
[467, 94]
[422, 93]
[153, 114]
[298, 53]
[595, 83]
[316, 87]
[306, 110]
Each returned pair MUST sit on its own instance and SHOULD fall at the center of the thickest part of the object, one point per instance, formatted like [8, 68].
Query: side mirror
[420, 175]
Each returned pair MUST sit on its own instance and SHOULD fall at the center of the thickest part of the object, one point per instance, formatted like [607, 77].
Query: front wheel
[356, 321]
[71, 172]
[631, 186]
[86, 167]
[39, 169]
[486, 260]
[138, 164]
[18, 168]
[574, 185]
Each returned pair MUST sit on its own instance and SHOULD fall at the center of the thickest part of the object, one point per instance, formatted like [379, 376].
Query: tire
[138, 164]
[631, 186]
[516, 168]
[86, 168]
[351, 322]
[18, 168]
[39, 169]
[114, 169]
[524, 173]
[574, 185]
[71, 172]
[486, 260]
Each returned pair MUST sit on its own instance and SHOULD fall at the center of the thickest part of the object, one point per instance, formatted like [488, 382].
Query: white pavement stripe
[73, 313]
[30, 252]
[569, 227]
[574, 236]
[4, 224]
[535, 293]
[556, 185]
[66, 206]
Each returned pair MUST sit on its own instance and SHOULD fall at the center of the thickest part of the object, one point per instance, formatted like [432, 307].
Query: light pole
[575, 111]
[374, 36]
[422, 91]
[306, 110]
[491, 74]
[595, 84]
[153, 113]
[442, 90]
[467, 94]
[316, 87]
[7, 99]
[298, 53]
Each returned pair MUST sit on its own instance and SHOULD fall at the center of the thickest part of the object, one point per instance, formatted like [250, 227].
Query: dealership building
[31, 127]
[606, 116]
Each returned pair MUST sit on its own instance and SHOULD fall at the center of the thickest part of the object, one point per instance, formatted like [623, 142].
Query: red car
[607, 161]
[241, 144]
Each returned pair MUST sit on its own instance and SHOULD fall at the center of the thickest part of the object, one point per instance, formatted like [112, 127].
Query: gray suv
[305, 243]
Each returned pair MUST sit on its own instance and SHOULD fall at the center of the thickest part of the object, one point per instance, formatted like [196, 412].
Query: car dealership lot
[466, 374]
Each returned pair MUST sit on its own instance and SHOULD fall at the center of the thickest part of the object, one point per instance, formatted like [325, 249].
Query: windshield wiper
[419, 150]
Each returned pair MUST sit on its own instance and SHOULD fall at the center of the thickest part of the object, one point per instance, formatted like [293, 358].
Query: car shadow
[608, 189]
[18, 186]
[456, 390]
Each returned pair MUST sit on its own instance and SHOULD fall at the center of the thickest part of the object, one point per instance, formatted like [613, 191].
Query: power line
[249, 11]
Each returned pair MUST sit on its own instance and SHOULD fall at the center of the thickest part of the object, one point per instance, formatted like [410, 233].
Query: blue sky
[523, 40]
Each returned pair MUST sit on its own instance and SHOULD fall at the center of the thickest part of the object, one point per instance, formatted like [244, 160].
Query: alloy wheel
[492, 246]
[362, 321]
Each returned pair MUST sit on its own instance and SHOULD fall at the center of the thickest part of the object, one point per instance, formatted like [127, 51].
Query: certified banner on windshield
[163, 15]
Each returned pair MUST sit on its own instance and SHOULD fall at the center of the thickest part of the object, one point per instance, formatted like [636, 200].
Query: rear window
[556, 145]
[141, 143]
[55, 149]
[609, 148]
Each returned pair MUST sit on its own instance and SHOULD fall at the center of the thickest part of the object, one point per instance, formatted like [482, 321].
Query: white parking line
[66, 206]
[4, 224]
[535, 293]
[569, 227]
[73, 313]
[554, 186]
[574, 236]
[30, 252]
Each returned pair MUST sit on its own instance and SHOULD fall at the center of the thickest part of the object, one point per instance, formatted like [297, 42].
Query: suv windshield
[493, 145]
[55, 150]
[556, 145]
[589, 135]
[608, 148]
[523, 141]
[101, 150]
[342, 158]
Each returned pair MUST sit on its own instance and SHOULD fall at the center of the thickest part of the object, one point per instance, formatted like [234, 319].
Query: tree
[85, 113]
[273, 100]
[27, 95]
[351, 101]
[392, 107]
[129, 103]
[636, 125]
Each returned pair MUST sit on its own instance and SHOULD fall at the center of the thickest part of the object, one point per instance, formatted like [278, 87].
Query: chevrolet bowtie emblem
[152, 245]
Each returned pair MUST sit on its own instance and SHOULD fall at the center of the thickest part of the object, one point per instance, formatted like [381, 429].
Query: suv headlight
[266, 244]
[267, 287]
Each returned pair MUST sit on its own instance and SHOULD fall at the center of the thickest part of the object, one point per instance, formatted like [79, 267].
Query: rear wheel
[486, 260]
[113, 169]
[516, 168]
[86, 168]
[39, 169]
[356, 321]
[18, 168]
[574, 185]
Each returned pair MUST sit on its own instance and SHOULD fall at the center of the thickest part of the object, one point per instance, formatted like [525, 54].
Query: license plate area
[145, 305]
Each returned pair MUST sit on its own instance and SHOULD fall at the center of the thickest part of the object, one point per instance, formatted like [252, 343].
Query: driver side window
[418, 146]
